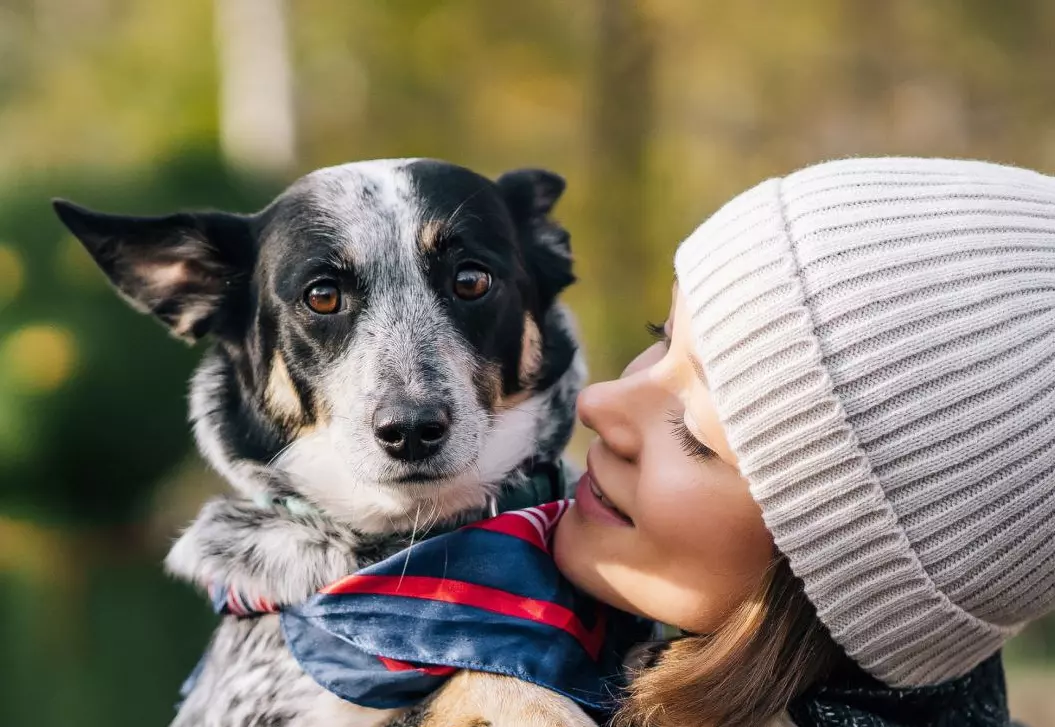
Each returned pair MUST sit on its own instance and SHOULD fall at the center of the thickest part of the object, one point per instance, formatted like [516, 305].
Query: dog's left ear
[183, 268]
[531, 195]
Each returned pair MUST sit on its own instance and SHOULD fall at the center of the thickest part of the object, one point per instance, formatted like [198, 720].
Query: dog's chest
[249, 679]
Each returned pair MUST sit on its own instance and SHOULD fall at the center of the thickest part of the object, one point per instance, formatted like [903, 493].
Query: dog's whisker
[433, 517]
[339, 416]
[413, 533]
[281, 452]
[449, 222]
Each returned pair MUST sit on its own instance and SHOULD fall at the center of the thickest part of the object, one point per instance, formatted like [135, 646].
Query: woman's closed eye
[658, 332]
[691, 446]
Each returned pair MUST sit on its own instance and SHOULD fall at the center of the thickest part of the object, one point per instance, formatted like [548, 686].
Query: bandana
[486, 597]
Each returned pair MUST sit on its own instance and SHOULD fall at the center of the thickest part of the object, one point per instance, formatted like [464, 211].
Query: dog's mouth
[417, 479]
[428, 473]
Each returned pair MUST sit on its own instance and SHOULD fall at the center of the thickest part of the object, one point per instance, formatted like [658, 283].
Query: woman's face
[663, 524]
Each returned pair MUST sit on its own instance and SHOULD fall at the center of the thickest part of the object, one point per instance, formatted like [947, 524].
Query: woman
[834, 470]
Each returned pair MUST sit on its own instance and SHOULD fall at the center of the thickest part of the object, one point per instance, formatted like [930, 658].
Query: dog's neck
[284, 555]
[532, 483]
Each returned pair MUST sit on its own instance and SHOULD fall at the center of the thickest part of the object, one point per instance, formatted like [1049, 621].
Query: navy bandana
[486, 597]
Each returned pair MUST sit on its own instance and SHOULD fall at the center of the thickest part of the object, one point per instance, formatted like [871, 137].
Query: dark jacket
[851, 698]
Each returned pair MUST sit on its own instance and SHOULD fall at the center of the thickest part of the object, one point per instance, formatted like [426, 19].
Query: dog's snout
[411, 431]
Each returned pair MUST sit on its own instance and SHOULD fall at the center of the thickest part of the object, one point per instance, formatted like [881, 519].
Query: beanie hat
[878, 337]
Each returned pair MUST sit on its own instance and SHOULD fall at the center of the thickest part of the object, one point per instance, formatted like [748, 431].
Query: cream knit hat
[879, 339]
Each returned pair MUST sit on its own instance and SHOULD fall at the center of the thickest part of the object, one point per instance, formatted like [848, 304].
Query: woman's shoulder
[781, 720]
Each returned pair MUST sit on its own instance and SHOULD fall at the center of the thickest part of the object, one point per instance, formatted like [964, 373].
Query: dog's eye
[471, 283]
[323, 298]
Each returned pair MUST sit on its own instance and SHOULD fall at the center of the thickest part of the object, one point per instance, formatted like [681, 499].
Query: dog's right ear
[182, 268]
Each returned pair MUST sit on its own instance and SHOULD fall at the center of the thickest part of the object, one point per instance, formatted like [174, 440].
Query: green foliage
[110, 648]
[91, 393]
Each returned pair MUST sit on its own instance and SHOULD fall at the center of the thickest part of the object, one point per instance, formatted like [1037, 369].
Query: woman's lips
[590, 498]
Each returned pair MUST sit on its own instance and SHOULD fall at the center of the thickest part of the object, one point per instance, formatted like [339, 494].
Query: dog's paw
[475, 699]
[262, 553]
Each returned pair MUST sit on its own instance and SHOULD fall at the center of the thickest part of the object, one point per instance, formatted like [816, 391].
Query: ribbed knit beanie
[878, 336]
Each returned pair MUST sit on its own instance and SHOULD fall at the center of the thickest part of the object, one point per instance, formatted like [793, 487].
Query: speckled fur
[250, 680]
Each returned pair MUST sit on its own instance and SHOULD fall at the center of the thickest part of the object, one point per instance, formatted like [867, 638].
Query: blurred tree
[141, 72]
[257, 127]
[620, 126]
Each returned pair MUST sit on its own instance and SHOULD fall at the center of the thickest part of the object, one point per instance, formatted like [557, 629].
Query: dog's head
[386, 333]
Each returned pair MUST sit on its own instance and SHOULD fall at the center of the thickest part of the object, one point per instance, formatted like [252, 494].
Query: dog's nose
[411, 431]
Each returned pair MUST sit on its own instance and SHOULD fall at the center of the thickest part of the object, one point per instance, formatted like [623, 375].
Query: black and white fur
[286, 402]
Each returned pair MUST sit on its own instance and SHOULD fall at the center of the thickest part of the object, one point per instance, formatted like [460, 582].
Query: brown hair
[770, 649]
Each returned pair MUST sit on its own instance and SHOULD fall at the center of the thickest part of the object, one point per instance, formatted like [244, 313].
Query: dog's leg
[262, 553]
[475, 699]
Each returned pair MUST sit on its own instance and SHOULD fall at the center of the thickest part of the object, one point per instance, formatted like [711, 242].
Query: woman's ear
[182, 268]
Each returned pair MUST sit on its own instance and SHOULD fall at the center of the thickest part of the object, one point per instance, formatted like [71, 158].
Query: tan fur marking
[492, 383]
[163, 279]
[189, 316]
[491, 379]
[530, 352]
[163, 275]
[530, 361]
[475, 698]
[512, 402]
[281, 395]
[431, 233]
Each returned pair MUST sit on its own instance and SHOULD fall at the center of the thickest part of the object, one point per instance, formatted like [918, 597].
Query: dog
[388, 355]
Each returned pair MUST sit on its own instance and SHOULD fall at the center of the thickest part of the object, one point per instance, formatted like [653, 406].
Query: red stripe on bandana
[533, 525]
[435, 671]
[476, 596]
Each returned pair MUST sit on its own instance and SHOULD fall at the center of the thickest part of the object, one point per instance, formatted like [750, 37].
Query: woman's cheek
[705, 527]
[670, 501]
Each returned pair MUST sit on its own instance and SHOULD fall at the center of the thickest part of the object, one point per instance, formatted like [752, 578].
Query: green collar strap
[546, 484]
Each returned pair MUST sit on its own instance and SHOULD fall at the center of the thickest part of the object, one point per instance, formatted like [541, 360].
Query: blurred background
[656, 111]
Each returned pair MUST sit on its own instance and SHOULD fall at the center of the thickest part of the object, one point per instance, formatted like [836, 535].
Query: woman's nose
[608, 409]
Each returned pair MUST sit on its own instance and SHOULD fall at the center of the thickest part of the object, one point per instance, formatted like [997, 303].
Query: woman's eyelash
[689, 444]
[657, 330]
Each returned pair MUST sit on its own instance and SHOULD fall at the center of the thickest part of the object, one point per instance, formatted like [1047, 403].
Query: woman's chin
[579, 555]
[574, 552]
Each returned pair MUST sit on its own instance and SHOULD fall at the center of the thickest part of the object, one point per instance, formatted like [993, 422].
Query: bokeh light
[11, 274]
[39, 358]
